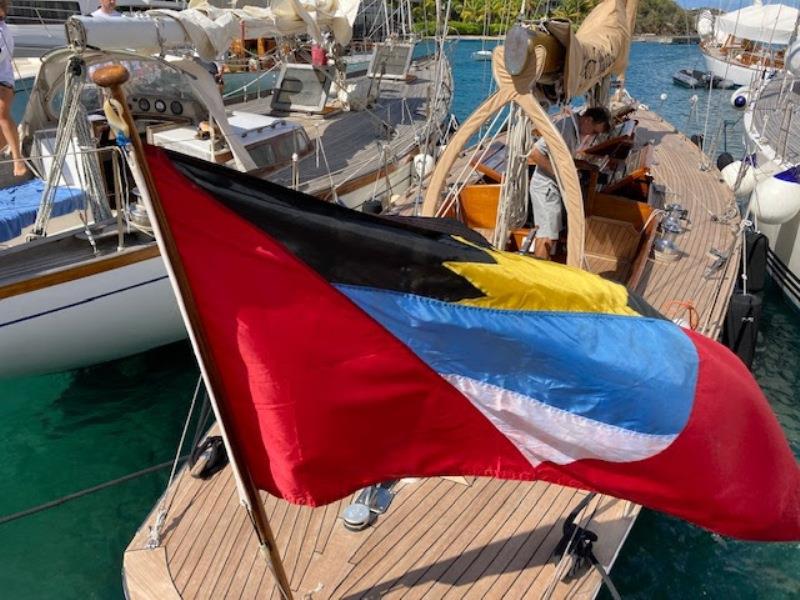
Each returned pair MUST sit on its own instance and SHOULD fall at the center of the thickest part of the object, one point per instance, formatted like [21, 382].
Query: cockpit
[176, 105]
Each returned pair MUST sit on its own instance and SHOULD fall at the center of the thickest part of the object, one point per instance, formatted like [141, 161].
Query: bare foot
[19, 168]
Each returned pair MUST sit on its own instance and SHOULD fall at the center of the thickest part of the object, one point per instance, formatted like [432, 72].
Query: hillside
[664, 17]
[475, 17]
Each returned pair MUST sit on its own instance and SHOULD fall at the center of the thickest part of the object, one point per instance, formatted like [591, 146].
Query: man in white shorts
[545, 195]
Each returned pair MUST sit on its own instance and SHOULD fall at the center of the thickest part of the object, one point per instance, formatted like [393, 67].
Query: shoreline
[649, 38]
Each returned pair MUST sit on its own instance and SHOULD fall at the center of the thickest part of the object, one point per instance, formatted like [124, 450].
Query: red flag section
[325, 400]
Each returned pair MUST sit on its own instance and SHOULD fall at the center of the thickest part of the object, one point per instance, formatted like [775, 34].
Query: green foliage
[574, 10]
[663, 17]
[469, 17]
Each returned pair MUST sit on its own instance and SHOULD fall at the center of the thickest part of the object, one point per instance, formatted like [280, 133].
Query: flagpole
[112, 77]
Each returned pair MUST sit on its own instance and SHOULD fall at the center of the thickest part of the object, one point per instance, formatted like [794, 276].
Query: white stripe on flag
[545, 433]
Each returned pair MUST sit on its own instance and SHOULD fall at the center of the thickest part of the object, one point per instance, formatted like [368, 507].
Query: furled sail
[211, 30]
[600, 46]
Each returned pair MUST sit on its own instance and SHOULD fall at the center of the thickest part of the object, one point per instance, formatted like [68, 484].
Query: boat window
[262, 155]
[277, 151]
[153, 78]
[41, 11]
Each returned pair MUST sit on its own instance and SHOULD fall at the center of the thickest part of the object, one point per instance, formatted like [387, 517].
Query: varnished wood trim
[86, 269]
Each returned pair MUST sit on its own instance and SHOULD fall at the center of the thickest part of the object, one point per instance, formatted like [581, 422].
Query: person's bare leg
[9, 130]
[541, 248]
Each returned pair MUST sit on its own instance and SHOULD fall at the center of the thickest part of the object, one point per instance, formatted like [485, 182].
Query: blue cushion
[19, 203]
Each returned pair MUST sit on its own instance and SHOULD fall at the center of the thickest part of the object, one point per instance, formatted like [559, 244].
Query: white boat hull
[738, 73]
[104, 316]
[784, 238]
[37, 39]
[399, 181]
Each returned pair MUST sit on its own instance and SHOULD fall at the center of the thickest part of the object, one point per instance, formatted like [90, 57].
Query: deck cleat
[371, 502]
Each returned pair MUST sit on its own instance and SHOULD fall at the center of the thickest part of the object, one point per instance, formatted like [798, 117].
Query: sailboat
[748, 44]
[768, 180]
[104, 274]
[439, 536]
[483, 53]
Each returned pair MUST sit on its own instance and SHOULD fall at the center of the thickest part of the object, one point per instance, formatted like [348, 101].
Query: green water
[65, 432]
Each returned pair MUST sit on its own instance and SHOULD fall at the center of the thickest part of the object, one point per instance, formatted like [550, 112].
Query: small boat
[482, 55]
[689, 78]
[692, 78]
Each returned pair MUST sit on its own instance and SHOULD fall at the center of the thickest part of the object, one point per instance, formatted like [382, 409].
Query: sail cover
[211, 30]
[599, 48]
[769, 23]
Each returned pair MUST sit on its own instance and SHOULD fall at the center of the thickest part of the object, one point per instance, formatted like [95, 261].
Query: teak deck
[677, 167]
[359, 145]
[452, 537]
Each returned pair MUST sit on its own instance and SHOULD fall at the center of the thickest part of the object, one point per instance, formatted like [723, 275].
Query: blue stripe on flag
[631, 372]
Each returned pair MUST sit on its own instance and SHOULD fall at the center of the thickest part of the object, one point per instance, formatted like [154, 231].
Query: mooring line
[85, 492]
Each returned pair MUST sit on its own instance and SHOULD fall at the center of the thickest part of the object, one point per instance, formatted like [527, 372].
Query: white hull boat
[96, 314]
[736, 72]
[775, 198]
[71, 300]
[748, 44]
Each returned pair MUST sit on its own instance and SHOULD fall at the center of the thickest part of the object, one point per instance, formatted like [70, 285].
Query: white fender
[777, 198]
[423, 165]
[740, 98]
[731, 173]
[792, 59]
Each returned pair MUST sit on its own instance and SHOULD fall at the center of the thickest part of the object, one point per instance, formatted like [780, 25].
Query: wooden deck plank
[307, 548]
[284, 539]
[542, 557]
[193, 531]
[438, 531]
[243, 557]
[147, 575]
[557, 503]
[402, 535]
[606, 517]
[462, 499]
[190, 579]
[512, 538]
[402, 510]
[478, 535]
[676, 166]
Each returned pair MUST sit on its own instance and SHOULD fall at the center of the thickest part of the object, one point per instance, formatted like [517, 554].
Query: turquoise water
[65, 432]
